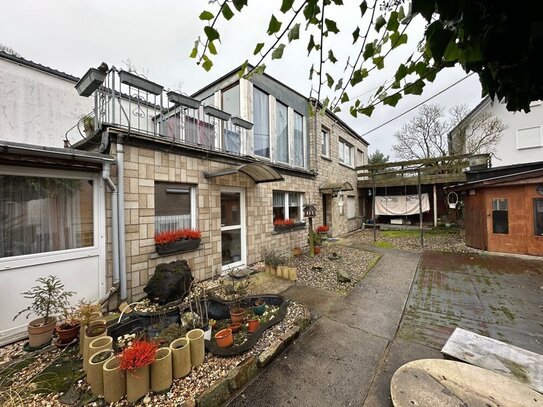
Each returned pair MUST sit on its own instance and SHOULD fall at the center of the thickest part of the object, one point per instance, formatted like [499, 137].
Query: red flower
[323, 228]
[175, 235]
[286, 222]
[141, 353]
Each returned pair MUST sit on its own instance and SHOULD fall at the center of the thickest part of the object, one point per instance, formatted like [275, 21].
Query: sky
[157, 38]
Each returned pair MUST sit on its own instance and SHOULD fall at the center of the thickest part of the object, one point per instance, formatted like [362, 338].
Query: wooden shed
[503, 209]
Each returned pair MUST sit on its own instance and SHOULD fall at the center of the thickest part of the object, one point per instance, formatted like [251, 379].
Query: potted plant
[135, 360]
[237, 312]
[68, 329]
[252, 322]
[322, 230]
[272, 260]
[176, 241]
[317, 241]
[259, 306]
[224, 338]
[88, 125]
[48, 298]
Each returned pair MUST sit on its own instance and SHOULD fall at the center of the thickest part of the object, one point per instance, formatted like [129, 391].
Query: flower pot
[180, 357]
[137, 383]
[235, 327]
[177, 246]
[197, 350]
[224, 338]
[94, 371]
[39, 332]
[161, 371]
[95, 330]
[317, 249]
[259, 307]
[237, 315]
[114, 379]
[67, 333]
[252, 325]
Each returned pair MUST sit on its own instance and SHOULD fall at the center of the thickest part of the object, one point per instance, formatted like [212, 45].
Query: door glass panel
[230, 209]
[500, 216]
[538, 216]
[231, 246]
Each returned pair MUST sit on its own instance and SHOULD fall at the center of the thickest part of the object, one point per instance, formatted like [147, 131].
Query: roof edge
[39, 67]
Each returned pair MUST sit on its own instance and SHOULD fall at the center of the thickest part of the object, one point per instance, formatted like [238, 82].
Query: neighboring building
[522, 140]
[504, 208]
[233, 160]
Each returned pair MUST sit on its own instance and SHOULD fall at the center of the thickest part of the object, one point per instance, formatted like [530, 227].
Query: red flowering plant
[284, 222]
[178, 234]
[323, 229]
[140, 353]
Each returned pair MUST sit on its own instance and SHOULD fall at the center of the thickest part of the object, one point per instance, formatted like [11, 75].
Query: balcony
[126, 101]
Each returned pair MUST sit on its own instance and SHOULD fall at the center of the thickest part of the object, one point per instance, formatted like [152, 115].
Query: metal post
[420, 209]
[311, 242]
[374, 190]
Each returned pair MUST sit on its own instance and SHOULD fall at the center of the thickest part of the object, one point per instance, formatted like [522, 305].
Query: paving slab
[318, 300]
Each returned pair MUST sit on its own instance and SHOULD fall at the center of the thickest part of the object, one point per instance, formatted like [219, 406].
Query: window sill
[280, 229]
[326, 158]
[347, 166]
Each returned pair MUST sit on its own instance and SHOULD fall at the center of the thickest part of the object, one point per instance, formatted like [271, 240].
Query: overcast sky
[157, 37]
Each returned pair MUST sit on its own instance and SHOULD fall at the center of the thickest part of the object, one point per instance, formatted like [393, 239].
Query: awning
[335, 187]
[258, 172]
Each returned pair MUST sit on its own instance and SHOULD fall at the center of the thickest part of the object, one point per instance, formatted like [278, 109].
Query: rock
[343, 277]
[241, 374]
[71, 396]
[215, 395]
[146, 400]
[290, 335]
[170, 282]
[269, 354]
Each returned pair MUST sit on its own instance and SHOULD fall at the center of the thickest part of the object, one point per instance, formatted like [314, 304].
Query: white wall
[38, 107]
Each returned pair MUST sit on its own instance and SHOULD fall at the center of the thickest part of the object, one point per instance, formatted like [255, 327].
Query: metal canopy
[334, 187]
[258, 172]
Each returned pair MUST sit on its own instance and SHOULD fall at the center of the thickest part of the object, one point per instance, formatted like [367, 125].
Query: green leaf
[379, 23]
[274, 26]
[337, 109]
[424, 7]
[227, 12]
[286, 5]
[452, 52]
[211, 47]
[311, 71]
[278, 52]
[438, 39]
[311, 10]
[294, 33]
[363, 8]
[356, 34]
[310, 44]
[414, 88]
[332, 57]
[392, 100]
[396, 39]
[401, 73]
[395, 85]
[243, 68]
[393, 23]
[367, 110]
[211, 33]
[206, 16]
[259, 70]
[379, 62]
[258, 48]
[401, 13]
[194, 52]
[329, 81]
[344, 97]
[339, 84]
[239, 4]
[331, 25]
[338, 2]
[369, 50]
[207, 63]
[358, 76]
[353, 111]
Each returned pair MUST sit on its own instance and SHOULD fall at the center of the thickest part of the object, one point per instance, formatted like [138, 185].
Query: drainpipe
[114, 228]
[122, 243]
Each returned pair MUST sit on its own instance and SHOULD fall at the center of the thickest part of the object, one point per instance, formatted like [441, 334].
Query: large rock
[170, 282]
[343, 276]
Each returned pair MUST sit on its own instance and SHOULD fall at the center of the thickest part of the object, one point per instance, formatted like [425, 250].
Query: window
[500, 220]
[359, 157]
[325, 143]
[288, 205]
[174, 207]
[529, 138]
[345, 153]
[261, 126]
[298, 139]
[230, 100]
[42, 214]
[282, 132]
[351, 207]
[538, 216]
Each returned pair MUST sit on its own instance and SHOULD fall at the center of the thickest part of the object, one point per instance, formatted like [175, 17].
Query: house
[522, 140]
[504, 208]
[236, 160]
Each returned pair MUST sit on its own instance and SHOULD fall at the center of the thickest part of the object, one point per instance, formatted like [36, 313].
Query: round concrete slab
[445, 383]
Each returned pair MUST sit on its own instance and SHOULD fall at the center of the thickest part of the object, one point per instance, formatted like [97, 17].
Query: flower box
[287, 228]
[179, 99]
[178, 246]
[217, 113]
[91, 81]
[135, 81]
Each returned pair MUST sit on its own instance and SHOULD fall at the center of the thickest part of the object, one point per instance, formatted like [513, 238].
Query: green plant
[317, 239]
[171, 333]
[86, 310]
[272, 258]
[49, 297]
[88, 124]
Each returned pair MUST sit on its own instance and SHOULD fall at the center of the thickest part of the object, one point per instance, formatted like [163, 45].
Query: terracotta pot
[253, 325]
[114, 379]
[137, 383]
[180, 357]
[317, 249]
[161, 371]
[237, 315]
[39, 332]
[197, 349]
[235, 327]
[67, 334]
[224, 338]
[94, 371]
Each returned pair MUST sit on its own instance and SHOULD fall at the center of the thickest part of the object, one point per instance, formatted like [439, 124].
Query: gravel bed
[321, 272]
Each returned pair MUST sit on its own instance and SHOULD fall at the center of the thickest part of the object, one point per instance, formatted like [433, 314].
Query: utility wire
[420, 104]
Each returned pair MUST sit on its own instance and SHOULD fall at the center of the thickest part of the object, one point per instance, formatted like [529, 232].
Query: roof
[39, 67]
[516, 177]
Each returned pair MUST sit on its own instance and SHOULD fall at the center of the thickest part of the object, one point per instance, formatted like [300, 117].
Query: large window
[40, 214]
[288, 205]
[500, 216]
[174, 207]
[345, 153]
[281, 120]
[325, 143]
[230, 100]
[298, 140]
[261, 126]
[538, 216]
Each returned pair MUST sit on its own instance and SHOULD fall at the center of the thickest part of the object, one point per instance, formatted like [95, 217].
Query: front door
[233, 228]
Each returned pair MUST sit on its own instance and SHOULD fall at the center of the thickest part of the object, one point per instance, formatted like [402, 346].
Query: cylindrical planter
[93, 317]
[292, 274]
[114, 380]
[94, 370]
[161, 371]
[181, 357]
[197, 350]
[137, 383]
[92, 333]
[96, 345]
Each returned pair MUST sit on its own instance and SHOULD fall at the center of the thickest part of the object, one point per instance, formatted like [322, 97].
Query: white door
[233, 232]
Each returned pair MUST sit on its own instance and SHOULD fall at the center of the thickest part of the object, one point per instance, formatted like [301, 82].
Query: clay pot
[137, 383]
[197, 349]
[237, 315]
[259, 307]
[224, 338]
[114, 379]
[67, 333]
[94, 371]
[161, 371]
[39, 332]
[317, 249]
[252, 325]
[180, 357]
[235, 327]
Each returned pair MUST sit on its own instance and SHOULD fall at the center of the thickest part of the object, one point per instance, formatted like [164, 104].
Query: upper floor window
[359, 157]
[45, 214]
[529, 137]
[174, 207]
[345, 153]
[325, 143]
[500, 216]
[261, 125]
[298, 139]
[281, 120]
[231, 100]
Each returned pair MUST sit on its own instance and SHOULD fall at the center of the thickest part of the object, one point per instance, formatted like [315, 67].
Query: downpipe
[106, 171]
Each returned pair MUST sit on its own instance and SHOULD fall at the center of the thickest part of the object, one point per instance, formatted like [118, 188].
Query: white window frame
[325, 141]
[287, 206]
[530, 146]
[351, 198]
[193, 205]
[302, 121]
[346, 147]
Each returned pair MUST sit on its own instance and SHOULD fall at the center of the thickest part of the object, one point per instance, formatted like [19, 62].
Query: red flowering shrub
[283, 222]
[323, 229]
[175, 235]
[141, 353]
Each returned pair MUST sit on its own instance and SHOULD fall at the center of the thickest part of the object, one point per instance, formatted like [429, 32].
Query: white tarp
[401, 205]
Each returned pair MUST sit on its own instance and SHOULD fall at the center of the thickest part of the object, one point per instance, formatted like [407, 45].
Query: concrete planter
[180, 357]
[161, 371]
[92, 332]
[114, 379]
[83, 328]
[96, 345]
[137, 383]
[197, 349]
[94, 372]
